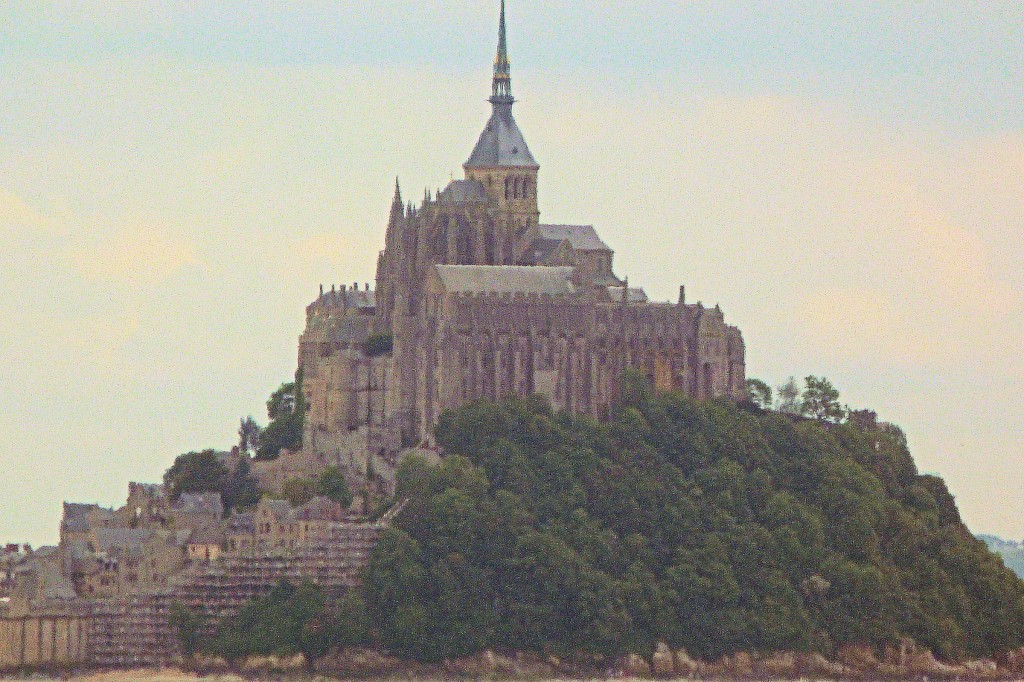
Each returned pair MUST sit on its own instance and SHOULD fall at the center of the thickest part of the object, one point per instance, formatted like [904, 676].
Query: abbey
[476, 297]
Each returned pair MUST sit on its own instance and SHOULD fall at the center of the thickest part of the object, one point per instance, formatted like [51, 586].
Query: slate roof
[242, 523]
[117, 541]
[206, 535]
[200, 503]
[581, 237]
[501, 143]
[280, 508]
[506, 279]
[320, 509]
[462, 191]
[636, 294]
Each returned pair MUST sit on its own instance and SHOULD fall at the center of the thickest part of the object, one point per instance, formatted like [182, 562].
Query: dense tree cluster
[330, 484]
[286, 410]
[290, 620]
[709, 525]
[203, 472]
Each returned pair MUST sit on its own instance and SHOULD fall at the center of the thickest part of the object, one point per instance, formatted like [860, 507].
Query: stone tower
[501, 161]
[481, 300]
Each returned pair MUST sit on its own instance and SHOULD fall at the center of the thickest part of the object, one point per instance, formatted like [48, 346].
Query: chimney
[682, 295]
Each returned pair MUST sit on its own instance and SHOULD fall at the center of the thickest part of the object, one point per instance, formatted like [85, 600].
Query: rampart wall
[43, 640]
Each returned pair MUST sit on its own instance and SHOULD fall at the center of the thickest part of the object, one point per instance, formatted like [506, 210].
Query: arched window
[508, 188]
[489, 243]
[518, 189]
[526, 188]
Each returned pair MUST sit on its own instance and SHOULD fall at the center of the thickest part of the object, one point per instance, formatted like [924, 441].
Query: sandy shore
[145, 676]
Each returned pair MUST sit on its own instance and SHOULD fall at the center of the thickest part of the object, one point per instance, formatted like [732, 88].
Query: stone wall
[44, 640]
[135, 631]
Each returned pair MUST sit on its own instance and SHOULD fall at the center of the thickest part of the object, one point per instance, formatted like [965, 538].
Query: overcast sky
[178, 178]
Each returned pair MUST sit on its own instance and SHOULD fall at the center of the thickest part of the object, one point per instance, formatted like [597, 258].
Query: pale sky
[178, 178]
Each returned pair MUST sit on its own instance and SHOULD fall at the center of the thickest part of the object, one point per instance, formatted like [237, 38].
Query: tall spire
[501, 89]
[501, 143]
[398, 193]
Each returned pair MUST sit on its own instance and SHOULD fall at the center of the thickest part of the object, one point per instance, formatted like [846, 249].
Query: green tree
[700, 523]
[333, 485]
[299, 491]
[273, 625]
[820, 400]
[759, 393]
[241, 490]
[395, 584]
[195, 472]
[282, 401]
[188, 627]
[789, 397]
[286, 410]
[248, 435]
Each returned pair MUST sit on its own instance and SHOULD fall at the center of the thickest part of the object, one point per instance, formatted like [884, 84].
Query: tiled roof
[506, 279]
[280, 508]
[242, 523]
[320, 509]
[501, 143]
[200, 503]
[206, 535]
[122, 540]
[463, 190]
[581, 237]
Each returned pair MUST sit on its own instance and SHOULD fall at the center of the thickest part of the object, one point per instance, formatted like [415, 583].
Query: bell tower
[501, 160]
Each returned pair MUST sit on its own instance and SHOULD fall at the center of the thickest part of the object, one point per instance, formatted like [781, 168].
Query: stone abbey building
[476, 297]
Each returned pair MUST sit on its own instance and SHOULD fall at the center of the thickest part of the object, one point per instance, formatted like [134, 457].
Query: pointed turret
[501, 88]
[396, 204]
[501, 144]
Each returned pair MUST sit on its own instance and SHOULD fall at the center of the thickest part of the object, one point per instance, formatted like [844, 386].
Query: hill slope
[1011, 551]
[704, 524]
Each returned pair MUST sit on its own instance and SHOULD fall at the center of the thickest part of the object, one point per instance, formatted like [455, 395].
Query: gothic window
[508, 188]
[489, 244]
[441, 243]
[518, 188]
[509, 251]
[465, 243]
[526, 188]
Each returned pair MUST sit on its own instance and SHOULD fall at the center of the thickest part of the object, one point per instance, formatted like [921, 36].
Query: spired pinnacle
[398, 193]
[501, 89]
[501, 143]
